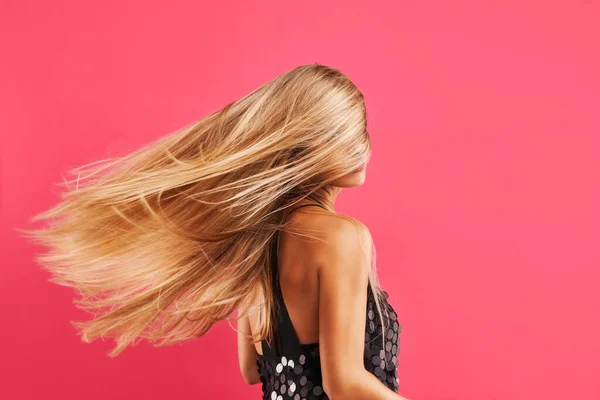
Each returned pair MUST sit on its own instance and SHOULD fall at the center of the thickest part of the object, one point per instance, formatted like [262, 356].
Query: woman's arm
[343, 280]
[247, 355]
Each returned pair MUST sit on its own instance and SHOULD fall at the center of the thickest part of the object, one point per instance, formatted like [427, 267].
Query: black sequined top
[292, 371]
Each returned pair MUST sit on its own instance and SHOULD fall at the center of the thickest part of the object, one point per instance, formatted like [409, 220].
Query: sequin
[298, 377]
[380, 360]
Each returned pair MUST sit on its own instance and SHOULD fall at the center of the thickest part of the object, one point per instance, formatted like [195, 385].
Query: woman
[323, 347]
[166, 241]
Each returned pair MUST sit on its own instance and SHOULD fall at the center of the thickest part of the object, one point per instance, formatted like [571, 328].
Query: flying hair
[165, 241]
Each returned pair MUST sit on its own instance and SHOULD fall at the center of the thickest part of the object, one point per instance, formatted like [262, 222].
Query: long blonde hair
[175, 236]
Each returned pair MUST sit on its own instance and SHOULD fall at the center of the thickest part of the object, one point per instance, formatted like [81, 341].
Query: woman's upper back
[328, 308]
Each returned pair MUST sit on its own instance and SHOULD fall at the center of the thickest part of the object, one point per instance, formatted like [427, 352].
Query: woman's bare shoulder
[338, 234]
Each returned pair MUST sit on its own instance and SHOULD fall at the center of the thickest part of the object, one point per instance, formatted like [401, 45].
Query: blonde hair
[175, 236]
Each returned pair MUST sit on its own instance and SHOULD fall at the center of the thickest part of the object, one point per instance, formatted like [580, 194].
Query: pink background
[482, 195]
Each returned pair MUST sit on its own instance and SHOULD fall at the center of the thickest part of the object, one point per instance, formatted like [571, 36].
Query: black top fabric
[292, 371]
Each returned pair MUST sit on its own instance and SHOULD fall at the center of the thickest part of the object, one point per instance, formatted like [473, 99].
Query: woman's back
[291, 368]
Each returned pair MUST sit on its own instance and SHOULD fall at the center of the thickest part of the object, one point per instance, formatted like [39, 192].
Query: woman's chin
[351, 180]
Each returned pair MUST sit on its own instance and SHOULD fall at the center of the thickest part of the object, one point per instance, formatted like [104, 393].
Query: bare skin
[325, 289]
